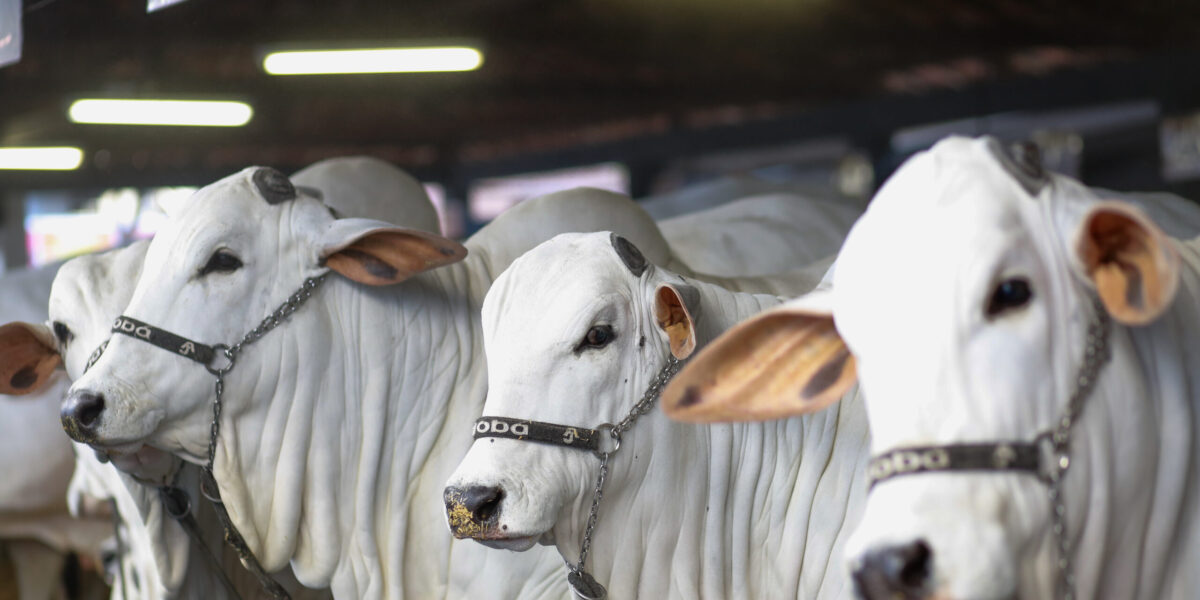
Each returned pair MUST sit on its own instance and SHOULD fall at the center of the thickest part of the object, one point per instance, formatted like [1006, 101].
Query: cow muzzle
[473, 512]
[81, 414]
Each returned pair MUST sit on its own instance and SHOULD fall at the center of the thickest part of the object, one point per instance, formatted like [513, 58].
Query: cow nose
[482, 503]
[900, 571]
[80, 413]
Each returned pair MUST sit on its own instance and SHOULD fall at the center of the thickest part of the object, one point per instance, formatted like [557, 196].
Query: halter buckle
[230, 358]
[613, 434]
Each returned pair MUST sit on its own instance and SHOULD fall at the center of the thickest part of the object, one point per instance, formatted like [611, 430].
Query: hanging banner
[153, 5]
[10, 32]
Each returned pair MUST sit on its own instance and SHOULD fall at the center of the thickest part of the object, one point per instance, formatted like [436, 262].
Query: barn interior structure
[648, 95]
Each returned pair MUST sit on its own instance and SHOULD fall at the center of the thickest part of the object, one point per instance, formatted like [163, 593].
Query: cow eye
[222, 261]
[1008, 295]
[598, 336]
[62, 332]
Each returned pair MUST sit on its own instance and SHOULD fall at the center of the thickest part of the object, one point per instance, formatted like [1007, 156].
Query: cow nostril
[900, 571]
[81, 413]
[915, 564]
[88, 409]
[483, 501]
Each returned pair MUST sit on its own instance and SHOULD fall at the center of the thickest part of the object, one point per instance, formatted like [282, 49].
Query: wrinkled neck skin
[336, 458]
[747, 510]
[162, 561]
[1132, 507]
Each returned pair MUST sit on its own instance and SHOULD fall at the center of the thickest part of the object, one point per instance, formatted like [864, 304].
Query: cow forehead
[932, 238]
[557, 285]
[232, 206]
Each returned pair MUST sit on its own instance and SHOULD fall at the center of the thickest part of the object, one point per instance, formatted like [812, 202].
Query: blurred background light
[377, 60]
[208, 113]
[63, 158]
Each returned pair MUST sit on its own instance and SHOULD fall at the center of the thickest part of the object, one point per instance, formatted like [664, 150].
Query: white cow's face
[225, 260]
[572, 338]
[89, 292]
[966, 323]
[963, 295]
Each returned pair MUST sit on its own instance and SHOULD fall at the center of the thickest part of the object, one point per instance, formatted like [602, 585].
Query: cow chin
[146, 463]
[515, 544]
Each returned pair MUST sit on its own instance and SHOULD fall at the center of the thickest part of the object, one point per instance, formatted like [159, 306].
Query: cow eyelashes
[221, 261]
[62, 332]
[1009, 294]
[598, 336]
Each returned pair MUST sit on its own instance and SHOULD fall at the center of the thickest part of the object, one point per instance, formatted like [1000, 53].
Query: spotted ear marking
[27, 358]
[782, 363]
[629, 254]
[273, 186]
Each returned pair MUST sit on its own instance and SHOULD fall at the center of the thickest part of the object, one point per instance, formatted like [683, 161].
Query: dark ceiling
[556, 73]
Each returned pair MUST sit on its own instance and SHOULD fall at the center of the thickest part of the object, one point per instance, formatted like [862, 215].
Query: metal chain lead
[578, 575]
[273, 320]
[230, 353]
[597, 494]
[1096, 355]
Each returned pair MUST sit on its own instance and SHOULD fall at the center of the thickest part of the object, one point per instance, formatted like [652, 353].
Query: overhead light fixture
[203, 113]
[61, 158]
[373, 60]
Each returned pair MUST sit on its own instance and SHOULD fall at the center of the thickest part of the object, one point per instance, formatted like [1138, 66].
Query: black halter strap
[580, 438]
[201, 353]
[1018, 457]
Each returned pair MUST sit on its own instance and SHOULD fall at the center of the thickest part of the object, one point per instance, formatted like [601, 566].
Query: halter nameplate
[166, 340]
[1019, 457]
[580, 438]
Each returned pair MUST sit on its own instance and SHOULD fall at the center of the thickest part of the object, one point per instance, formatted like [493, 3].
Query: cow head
[574, 330]
[227, 258]
[88, 293]
[960, 301]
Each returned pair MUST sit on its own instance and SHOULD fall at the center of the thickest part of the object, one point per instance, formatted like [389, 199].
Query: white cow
[160, 558]
[340, 427]
[576, 331]
[36, 528]
[979, 300]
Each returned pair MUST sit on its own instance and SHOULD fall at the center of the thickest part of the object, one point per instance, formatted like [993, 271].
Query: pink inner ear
[1132, 263]
[673, 318]
[389, 256]
[26, 363]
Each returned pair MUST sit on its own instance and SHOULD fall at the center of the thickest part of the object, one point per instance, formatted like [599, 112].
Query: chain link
[230, 353]
[1096, 355]
[273, 320]
[643, 406]
[597, 494]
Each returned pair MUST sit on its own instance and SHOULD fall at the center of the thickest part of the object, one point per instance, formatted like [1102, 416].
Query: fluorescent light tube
[377, 60]
[62, 158]
[161, 112]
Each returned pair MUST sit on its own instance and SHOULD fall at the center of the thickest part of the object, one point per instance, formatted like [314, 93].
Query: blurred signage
[10, 32]
[489, 197]
[153, 5]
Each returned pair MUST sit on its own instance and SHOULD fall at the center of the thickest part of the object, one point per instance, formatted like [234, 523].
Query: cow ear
[1131, 261]
[785, 362]
[28, 357]
[674, 307]
[378, 253]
